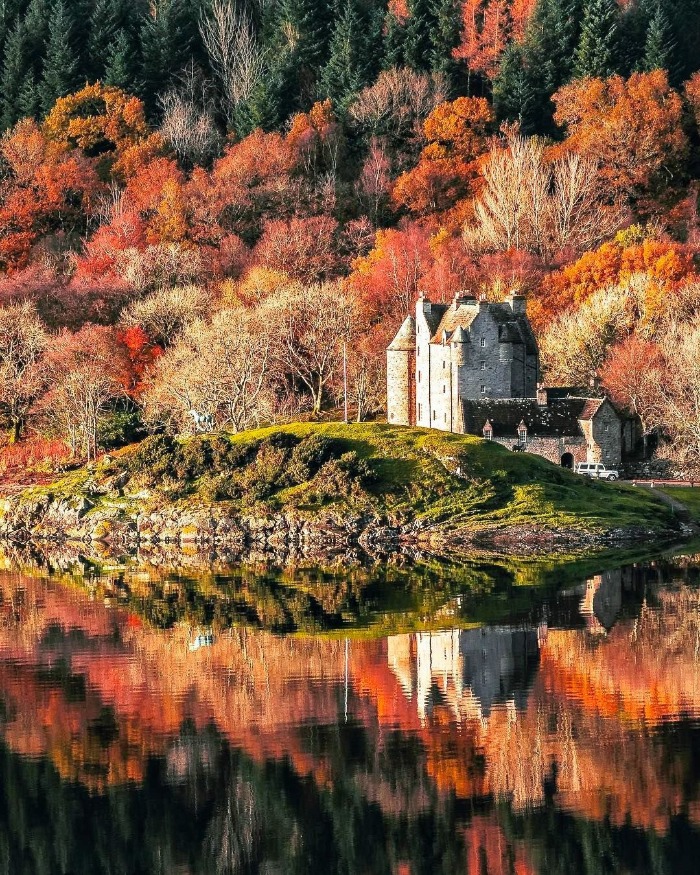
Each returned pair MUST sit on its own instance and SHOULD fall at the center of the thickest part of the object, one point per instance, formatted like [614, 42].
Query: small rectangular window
[443, 365]
[420, 411]
[444, 389]
[606, 426]
[434, 414]
[482, 389]
[445, 417]
[419, 376]
[483, 366]
[483, 342]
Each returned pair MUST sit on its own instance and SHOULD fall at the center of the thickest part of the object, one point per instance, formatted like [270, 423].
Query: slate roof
[513, 327]
[559, 419]
[434, 316]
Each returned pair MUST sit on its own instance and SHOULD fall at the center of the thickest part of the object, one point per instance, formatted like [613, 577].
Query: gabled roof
[560, 418]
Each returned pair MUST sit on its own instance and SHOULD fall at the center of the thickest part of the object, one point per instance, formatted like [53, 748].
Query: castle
[472, 367]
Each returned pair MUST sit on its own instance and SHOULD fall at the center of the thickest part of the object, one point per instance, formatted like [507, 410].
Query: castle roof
[513, 327]
[562, 417]
[405, 340]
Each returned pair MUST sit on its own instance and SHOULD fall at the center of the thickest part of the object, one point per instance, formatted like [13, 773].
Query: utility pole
[345, 380]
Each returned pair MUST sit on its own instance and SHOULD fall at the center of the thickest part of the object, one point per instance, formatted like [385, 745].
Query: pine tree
[596, 53]
[659, 45]
[345, 73]
[417, 48]
[303, 27]
[551, 38]
[169, 41]
[444, 36]
[14, 72]
[123, 65]
[61, 67]
[514, 98]
[393, 54]
[29, 100]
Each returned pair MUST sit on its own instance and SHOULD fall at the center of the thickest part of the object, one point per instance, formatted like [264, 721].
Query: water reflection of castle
[470, 670]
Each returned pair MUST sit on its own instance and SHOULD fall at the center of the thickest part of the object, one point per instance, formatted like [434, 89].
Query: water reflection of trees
[461, 749]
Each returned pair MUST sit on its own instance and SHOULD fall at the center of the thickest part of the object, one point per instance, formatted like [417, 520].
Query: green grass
[687, 495]
[416, 479]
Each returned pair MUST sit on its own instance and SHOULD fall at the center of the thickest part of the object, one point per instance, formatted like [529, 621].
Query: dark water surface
[427, 719]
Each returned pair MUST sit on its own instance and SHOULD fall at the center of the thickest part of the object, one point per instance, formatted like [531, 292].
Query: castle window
[443, 365]
[445, 417]
[606, 427]
[483, 366]
[443, 389]
[434, 414]
[488, 430]
[420, 411]
[522, 434]
[419, 376]
[482, 389]
[483, 342]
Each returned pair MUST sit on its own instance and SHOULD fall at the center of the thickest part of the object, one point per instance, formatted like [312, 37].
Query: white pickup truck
[597, 470]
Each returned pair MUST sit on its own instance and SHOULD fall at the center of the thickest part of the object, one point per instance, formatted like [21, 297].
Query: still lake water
[250, 720]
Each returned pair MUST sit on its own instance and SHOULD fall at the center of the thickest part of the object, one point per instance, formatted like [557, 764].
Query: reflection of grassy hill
[348, 599]
[440, 481]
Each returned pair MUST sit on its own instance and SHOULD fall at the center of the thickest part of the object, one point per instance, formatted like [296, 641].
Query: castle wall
[605, 436]
[400, 377]
[551, 448]
[487, 370]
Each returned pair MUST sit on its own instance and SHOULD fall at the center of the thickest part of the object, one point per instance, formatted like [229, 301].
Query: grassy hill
[413, 478]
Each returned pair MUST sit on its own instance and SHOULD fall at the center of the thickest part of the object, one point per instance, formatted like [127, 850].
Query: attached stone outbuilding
[564, 430]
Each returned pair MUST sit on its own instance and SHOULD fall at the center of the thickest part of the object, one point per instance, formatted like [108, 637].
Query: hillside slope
[318, 481]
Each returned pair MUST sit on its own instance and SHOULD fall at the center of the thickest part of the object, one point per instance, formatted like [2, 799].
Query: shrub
[154, 459]
[309, 456]
[343, 476]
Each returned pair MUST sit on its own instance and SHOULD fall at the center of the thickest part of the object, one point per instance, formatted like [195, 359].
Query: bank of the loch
[357, 483]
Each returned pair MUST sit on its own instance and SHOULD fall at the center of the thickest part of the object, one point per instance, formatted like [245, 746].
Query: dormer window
[488, 431]
[522, 433]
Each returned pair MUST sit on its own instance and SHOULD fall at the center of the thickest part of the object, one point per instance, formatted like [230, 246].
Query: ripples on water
[147, 728]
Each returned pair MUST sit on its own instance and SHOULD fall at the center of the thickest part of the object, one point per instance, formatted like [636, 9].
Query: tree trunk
[16, 429]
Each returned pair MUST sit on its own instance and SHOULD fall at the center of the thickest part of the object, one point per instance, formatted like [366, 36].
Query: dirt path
[679, 509]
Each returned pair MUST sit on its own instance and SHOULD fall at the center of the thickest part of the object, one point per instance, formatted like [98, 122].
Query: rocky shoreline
[47, 519]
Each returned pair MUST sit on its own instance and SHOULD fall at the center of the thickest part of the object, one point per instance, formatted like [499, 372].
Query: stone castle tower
[466, 351]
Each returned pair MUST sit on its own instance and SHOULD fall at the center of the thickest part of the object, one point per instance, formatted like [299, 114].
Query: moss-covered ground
[446, 480]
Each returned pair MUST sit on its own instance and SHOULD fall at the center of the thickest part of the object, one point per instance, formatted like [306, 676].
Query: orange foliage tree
[457, 134]
[666, 264]
[104, 121]
[44, 190]
[632, 127]
[487, 26]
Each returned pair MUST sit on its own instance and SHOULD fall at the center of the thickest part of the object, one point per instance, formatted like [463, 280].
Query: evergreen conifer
[14, 73]
[659, 45]
[596, 53]
[345, 73]
[61, 67]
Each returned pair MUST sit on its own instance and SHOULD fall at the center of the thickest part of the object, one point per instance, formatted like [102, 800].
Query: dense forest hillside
[204, 205]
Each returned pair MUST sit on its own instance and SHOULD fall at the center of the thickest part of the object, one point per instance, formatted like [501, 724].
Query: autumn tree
[576, 345]
[43, 191]
[397, 104]
[310, 325]
[631, 127]
[528, 202]
[302, 248]
[88, 371]
[165, 313]
[218, 369]
[630, 374]
[23, 341]
[456, 133]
